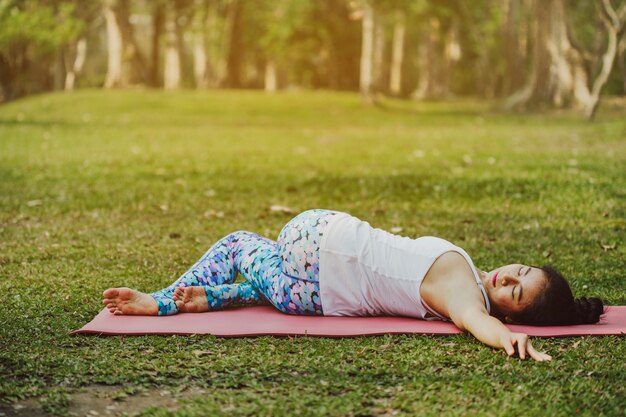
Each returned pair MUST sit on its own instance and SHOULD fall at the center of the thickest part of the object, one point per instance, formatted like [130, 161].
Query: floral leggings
[284, 272]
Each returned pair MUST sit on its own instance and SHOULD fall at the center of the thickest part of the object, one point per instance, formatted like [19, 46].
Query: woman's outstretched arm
[492, 332]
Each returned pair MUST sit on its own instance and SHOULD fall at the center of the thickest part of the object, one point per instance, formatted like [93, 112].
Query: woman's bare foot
[191, 299]
[128, 301]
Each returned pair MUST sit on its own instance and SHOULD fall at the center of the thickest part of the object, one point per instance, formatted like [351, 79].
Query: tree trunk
[125, 62]
[75, 68]
[423, 80]
[270, 77]
[114, 47]
[558, 75]
[6, 80]
[172, 65]
[233, 44]
[539, 86]
[397, 55]
[199, 44]
[158, 18]
[13, 63]
[134, 68]
[58, 69]
[614, 22]
[451, 55]
[558, 45]
[621, 62]
[199, 61]
[367, 53]
[429, 62]
[513, 77]
[379, 55]
[216, 41]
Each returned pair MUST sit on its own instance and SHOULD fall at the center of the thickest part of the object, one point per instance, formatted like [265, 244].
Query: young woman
[330, 263]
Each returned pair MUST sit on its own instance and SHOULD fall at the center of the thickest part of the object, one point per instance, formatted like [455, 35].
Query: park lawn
[101, 189]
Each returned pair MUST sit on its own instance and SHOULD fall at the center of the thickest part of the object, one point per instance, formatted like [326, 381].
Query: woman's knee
[238, 234]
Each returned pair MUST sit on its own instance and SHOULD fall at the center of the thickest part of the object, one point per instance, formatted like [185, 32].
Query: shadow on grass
[12, 122]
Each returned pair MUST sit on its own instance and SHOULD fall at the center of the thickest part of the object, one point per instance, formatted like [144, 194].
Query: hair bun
[589, 310]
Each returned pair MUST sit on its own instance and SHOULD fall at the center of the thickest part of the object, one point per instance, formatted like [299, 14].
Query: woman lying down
[333, 264]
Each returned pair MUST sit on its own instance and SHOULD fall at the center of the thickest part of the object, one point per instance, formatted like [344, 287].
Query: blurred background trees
[529, 53]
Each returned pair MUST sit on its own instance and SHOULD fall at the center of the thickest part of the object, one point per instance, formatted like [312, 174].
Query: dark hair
[556, 306]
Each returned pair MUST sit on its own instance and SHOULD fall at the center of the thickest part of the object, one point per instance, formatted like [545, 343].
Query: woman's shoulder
[451, 273]
[452, 264]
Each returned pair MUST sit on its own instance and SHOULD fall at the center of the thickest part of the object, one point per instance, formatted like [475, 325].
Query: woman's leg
[286, 272]
[216, 273]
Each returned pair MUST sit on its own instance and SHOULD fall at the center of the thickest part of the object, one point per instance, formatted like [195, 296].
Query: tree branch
[607, 12]
[614, 18]
[614, 27]
[621, 14]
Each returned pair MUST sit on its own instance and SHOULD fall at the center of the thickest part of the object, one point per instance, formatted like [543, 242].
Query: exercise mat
[266, 320]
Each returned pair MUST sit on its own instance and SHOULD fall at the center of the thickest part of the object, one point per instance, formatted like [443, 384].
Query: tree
[31, 33]
[79, 53]
[614, 21]
[75, 52]
[621, 61]
[438, 48]
[513, 37]
[216, 47]
[199, 26]
[158, 22]
[172, 71]
[330, 50]
[125, 61]
[560, 73]
[397, 54]
[366, 77]
[234, 49]
[279, 24]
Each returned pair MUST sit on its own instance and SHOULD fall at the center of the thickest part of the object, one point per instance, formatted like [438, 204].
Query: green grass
[102, 189]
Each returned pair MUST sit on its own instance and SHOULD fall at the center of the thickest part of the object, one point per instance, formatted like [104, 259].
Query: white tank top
[369, 272]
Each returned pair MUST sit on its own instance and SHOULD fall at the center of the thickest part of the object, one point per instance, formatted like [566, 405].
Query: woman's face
[512, 288]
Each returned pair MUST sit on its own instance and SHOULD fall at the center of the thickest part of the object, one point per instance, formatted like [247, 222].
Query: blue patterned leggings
[284, 272]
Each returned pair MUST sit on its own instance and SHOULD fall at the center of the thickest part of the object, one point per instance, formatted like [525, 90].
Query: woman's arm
[450, 288]
[492, 332]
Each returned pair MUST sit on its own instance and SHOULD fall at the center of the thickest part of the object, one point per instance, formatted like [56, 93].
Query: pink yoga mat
[259, 321]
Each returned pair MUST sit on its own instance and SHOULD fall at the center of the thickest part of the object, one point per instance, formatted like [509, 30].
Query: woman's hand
[509, 340]
[492, 332]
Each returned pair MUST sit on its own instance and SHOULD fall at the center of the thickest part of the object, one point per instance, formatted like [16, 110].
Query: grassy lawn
[102, 189]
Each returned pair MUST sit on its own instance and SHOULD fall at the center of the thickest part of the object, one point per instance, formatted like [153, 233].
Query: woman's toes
[178, 293]
[110, 293]
[188, 293]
